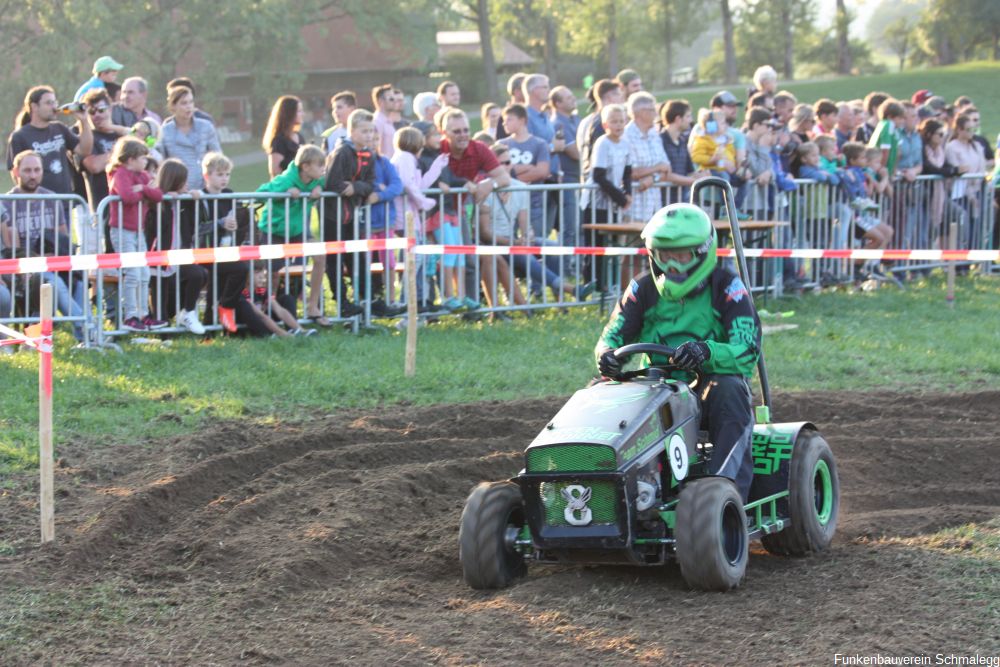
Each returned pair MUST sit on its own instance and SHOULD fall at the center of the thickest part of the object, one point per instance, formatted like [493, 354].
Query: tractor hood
[608, 413]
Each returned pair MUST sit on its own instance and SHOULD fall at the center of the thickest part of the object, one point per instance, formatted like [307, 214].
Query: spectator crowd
[860, 160]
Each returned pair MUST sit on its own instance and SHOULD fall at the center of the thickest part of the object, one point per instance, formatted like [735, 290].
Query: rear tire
[813, 499]
[712, 542]
[492, 519]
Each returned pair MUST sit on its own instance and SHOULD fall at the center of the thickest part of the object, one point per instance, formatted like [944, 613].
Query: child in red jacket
[128, 180]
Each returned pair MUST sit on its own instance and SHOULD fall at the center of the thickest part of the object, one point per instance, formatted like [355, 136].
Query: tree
[729, 40]
[531, 24]
[785, 12]
[486, 46]
[899, 37]
[843, 25]
[259, 38]
[680, 22]
[780, 33]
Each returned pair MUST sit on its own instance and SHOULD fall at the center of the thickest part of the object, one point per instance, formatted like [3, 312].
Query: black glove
[610, 366]
[691, 355]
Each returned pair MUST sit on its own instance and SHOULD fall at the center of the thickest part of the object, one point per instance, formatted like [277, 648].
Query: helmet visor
[675, 260]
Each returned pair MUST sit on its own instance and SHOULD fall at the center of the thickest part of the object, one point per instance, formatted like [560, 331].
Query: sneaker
[350, 309]
[299, 331]
[153, 323]
[453, 304]
[381, 309]
[134, 324]
[470, 304]
[189, 320]
[864, 204]
[227, 318]
[585, 290]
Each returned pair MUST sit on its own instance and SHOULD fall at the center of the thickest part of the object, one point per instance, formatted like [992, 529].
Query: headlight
[647, 496]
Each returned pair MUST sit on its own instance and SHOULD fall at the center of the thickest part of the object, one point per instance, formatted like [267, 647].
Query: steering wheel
[626, 351]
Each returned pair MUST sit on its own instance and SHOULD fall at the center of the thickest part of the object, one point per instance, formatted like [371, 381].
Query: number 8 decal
[678, 456]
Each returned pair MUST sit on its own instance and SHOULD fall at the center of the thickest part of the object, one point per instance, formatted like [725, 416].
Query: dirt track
[336, 543]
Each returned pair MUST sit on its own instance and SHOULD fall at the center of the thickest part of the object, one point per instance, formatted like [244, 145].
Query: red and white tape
[278, 251]
[41, 343]
[817, 253]
[128, 260]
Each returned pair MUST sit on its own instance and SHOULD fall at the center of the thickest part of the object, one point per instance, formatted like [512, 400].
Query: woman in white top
[186, 137]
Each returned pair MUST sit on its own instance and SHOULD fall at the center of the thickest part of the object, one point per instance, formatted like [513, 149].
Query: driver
[703, 310]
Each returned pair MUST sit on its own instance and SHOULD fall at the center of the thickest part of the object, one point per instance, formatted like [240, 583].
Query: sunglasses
[93, 111]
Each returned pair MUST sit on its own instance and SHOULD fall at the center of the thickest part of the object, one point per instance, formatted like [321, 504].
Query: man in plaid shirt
[650, 165]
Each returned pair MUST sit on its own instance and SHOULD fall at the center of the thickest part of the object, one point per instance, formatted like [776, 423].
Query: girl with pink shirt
[409, 142]
[128, 180]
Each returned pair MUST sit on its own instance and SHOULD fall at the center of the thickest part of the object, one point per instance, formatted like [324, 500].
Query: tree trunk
[668, 40]
[727, 36]
[551, 49]
[786, 27]
[843, 45]
[486, 44]
[612, 39]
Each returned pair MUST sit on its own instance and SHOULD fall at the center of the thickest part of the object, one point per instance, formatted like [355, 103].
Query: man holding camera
[39, 130]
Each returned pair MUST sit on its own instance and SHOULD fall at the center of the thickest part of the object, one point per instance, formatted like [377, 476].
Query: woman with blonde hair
[802, 122]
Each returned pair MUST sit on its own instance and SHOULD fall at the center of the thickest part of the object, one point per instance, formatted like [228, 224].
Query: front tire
[813, 499]
[492, 519]
[712, 543]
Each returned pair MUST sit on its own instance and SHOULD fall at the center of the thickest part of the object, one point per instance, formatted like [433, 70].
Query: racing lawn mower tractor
[620, 475]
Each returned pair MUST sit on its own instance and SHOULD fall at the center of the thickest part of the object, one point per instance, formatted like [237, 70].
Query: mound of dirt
[335, 541]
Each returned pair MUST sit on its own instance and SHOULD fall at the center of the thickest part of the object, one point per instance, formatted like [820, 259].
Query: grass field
[883, 340]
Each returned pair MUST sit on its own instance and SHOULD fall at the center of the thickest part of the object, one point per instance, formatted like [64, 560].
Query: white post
[410, 368]
[952, 242]
[45, 463]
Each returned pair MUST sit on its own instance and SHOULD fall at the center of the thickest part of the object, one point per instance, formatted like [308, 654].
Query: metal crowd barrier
[33, 225]
[919, 212]
[815, 215]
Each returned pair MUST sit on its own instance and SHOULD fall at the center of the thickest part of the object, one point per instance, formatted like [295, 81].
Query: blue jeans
[537, 270]
[5, 300]
[69, 305]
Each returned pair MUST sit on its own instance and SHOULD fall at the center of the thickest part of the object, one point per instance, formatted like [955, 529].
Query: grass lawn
[884, 340]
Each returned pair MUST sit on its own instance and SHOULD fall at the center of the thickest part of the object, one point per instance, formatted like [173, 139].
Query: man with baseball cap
[730, 105]
[106, 70]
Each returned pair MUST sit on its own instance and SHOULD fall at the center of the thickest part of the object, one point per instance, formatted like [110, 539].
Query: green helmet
[680, 227]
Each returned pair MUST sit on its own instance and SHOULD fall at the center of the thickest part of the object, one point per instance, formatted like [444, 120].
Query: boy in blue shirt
[388, 186]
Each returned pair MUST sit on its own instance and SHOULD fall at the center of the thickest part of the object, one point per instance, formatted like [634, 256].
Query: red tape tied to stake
[276, 251]
[35, 336]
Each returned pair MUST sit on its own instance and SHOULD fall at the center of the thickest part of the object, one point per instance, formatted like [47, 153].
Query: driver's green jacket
[719, 312]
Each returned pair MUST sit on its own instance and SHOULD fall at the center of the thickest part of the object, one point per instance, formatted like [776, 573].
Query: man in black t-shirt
[40, 131]
[98, 105]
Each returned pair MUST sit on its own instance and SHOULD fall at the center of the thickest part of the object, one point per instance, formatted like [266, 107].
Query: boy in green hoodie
[304, 174]
[287, 221]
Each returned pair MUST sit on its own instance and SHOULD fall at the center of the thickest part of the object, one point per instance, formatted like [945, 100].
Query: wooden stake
[952, 242]
[45, 462]
[410, 368]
